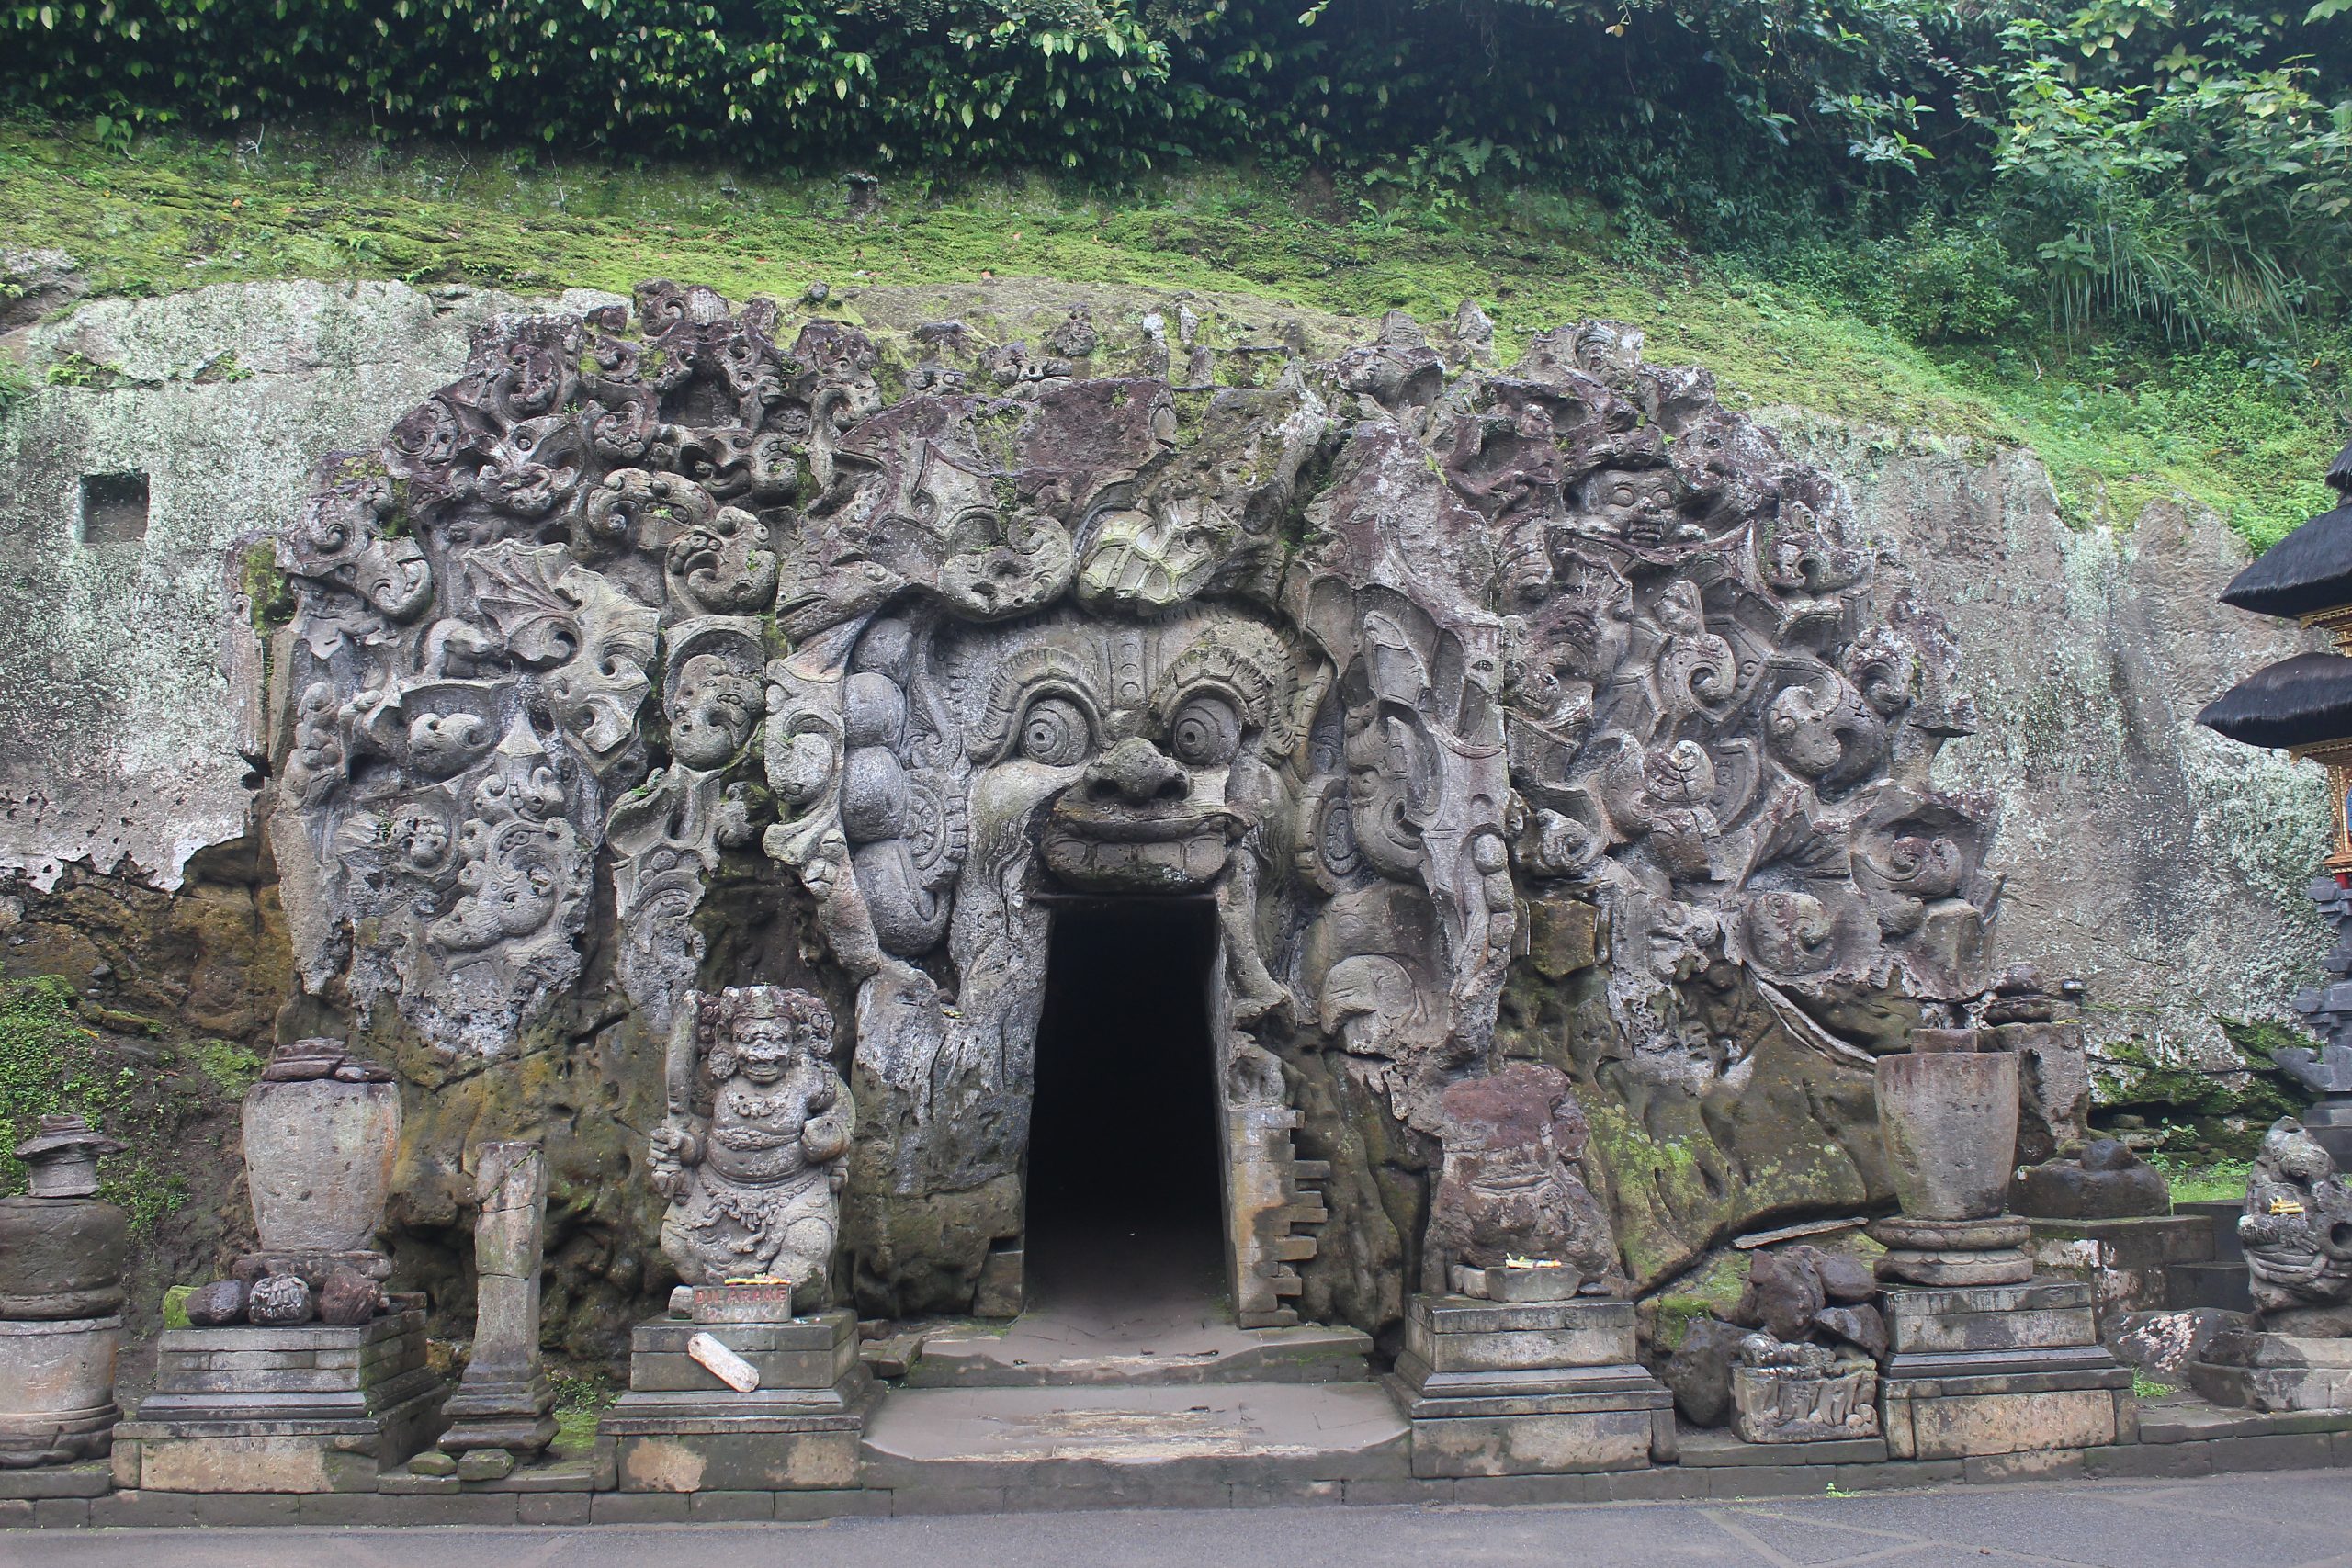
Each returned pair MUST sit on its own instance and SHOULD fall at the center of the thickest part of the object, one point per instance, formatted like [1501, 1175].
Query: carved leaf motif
[593, 641]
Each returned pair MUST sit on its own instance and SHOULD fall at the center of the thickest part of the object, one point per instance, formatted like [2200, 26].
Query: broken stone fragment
[281, 1301]
[485, 1464]
[217, 1305]
[1700, 1372]
[349, 1298]
[432, 1461]
[1861, 1326]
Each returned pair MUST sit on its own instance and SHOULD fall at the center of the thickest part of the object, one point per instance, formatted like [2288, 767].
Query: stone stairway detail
[1277, 1209]
[2219, 1279]
[1166, 1445]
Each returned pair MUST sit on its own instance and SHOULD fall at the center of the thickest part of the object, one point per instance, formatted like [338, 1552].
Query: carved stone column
[502, 1412]
[1986, 1361]
[61, 1300]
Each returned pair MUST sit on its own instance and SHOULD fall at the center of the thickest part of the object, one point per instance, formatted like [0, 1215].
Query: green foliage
[233, 1068]
[52, 1059]
[2184, 162]
[1867, 329]
[2212, 1182]
[2207, 1121]
[37, 1025]
[2145, 1387]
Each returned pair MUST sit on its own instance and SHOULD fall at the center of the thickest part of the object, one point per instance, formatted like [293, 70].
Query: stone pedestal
[320, 1408]
[503, 1401]
[2253, 1369]
[1528, 1388]
[681, 1427]
[57, 1389]
[1998, 1370]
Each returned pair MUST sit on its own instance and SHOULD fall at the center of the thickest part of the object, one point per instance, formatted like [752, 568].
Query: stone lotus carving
[1367, 653]
[751, 1156]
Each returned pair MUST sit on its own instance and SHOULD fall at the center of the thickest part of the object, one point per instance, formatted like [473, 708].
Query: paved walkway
[2293, 1519]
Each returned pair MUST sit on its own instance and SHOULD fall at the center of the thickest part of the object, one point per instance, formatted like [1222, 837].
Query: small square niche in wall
[114, 509]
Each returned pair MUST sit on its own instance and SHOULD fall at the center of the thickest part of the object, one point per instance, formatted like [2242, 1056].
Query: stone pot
[1949, 1119]
[60, 1257]
[57, 1389]
[318, 1156]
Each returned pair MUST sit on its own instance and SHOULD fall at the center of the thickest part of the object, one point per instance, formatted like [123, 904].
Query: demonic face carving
[1639, 506]
[1130, 737]
[712, 707]
[999, 567]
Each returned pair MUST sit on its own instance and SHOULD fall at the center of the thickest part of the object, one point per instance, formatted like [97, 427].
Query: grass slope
[2119, 428]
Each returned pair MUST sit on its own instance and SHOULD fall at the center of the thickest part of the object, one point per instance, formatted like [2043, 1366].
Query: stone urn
[1949, 1119]
[321, 1131]
[61, 1299]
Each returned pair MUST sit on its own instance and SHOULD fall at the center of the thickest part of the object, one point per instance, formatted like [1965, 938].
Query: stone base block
[2126, 1263]
[1616, 1419]
[1969, 1404]
[515, 1414]
[57, 1389]
[2049, 1315]
[1528, 1388]
[810, 1354]
[2251, 1370]
[729, 1442]
[320, 1408]
[1953, 1252]
[1459, 1334]
[91, 1478]
[258, 1454]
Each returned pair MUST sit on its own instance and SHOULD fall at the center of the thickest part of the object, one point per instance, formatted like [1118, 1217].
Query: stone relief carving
[1366, 654]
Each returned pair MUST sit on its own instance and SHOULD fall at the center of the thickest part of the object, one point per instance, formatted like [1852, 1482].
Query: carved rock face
[1367, 655]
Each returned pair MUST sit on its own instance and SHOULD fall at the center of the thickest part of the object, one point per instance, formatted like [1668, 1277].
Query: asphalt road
[2297, 1520]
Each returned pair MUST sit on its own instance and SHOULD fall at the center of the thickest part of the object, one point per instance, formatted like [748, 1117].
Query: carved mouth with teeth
[1128, 848]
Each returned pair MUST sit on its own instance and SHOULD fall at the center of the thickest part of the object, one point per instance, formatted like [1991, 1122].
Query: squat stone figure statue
[752, 1155]
[2296, 1230]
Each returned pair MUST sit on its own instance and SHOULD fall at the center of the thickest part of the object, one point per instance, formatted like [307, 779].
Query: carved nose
[1135, 770]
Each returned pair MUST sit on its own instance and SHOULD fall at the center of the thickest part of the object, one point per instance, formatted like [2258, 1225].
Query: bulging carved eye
[1205, 733]
[1055, 732]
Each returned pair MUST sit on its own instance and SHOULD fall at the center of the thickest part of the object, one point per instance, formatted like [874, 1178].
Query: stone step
[1050, 1351]
[2221, 1214]
[1137, 1446]
[2223, 1285]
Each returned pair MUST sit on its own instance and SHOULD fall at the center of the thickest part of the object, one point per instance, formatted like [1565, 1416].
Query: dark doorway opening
[1125, 1164]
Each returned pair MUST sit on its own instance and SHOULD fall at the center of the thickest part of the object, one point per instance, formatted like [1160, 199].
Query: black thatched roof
[2340, 473]
[2296, 702]
[2308, 569]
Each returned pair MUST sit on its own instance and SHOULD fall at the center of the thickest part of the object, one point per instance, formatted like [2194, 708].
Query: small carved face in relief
[712, 711]
[1640, 506]
[1001, 567]
[443, 744]
[420, 839]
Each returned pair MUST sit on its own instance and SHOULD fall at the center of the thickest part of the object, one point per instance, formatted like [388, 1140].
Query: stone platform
[681, 1427]
[319, 1408]
[1985, 1370]
[1520, 1388]
[2254, 1370]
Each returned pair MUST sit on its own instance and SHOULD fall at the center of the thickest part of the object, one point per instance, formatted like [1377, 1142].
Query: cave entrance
[1124, 1232]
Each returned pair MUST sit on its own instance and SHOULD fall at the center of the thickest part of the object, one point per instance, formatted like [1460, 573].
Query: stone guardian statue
[753, 1154]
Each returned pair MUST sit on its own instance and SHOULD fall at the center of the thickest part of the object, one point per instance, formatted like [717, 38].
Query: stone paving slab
[999, 1437]
[2286, 1521]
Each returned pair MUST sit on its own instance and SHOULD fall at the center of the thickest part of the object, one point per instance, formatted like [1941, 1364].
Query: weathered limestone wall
[2160, 864]
[124, 698]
